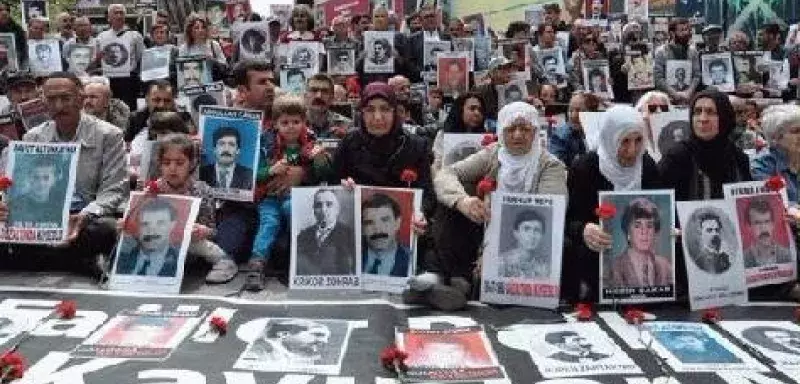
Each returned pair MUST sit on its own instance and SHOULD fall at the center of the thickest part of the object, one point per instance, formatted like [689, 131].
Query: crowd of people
[390, 131]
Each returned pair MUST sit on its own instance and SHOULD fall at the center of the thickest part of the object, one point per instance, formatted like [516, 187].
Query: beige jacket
[460, 180]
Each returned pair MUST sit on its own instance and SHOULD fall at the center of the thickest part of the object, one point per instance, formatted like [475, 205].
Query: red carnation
[12, 365]
[5, 183]
[711, 316]
[11, 357]
[760, 144]
[152, 187]
[584, 311]
[488, 139]
[393, 358]
[66, 309]
[409, 176]
[486, 186]
[774, 183]
[606, 211]
[634, 316]
[219, 325]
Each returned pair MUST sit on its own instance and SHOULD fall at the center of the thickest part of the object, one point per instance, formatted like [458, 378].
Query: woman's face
[380, 20]
[290, 127]
[642, 234]
[790, 140]
[472, 115]
[199, 31]
[630, 146]
[176, 167]
[378, 117]
[705, 120]
[518, 137]
[548, 37]
[547, 95]
[300, 21]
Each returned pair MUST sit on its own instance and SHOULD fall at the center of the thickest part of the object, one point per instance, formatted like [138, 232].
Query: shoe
[424, 281]
[412, 297]
[222, 272]
[447, 298]
[255, 280]
[462, 285]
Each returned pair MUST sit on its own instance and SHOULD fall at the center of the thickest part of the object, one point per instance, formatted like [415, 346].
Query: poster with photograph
[139, 335]
[79, 57]
[770, 255]
[459, 146]
[483, 53]
[8, 126]
[534, 15]
[515, 90]
[230, 151]
[192, 71]
[659, 33]
[237, 11]
[522, 258]
[695, 347]
[341, 58]
[148, 161]
[753, 188]
[718, 71]
[151, 251]
[294, 78]
[253, 40]
[569, 349]
[640, 70]
[196, 97]
[452, 74]
[668, 129]
[562, 39]
[637, 10]
[640, 265]
[116, 60]
[551, 61]
[518, 51]
[430, 53]
[33, 113]
[447, 355]
[679, 74]
[466, 45]
[217, 19]
[156, 62]
[389, 244]
[747, 64]
[44, 56]
[39, 199]
[476, 23]
[778, 341]
[34, 8]
[379, 47]
[314, 346]
[304, 53]
[596, 78]
[779, 74]
[8, 53]
[591, 123]
[714, 263]
[325, 239]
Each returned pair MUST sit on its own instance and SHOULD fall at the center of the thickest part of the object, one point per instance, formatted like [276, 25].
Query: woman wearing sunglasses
[652, 103]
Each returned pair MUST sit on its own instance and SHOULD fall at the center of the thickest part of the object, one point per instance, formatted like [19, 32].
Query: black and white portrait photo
[34, 8]
[431, 51]
[513, 91]
[778, 341]
[304, 53]
[672, 134]
[711, 235]
[297, 345]
[79, 57]
[551, 62]
[116, 57]
[341, 61]
[679, 74]
[192, 72]
[746, 67]
[8, 52]
[294, 78]
[323, 232]
[44, 56]
[596, 80]
[379, 47]
[573, 348]
[155, 63]
[718, 71]
[459, 146]
[526, 251]
[252, 40]
[115, 54]
[774, 338]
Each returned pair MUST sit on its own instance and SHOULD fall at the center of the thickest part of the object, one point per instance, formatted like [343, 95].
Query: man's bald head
[401, 86]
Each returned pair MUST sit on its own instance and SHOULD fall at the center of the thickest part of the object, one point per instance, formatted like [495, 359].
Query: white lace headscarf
[619, 121]
[518, 172]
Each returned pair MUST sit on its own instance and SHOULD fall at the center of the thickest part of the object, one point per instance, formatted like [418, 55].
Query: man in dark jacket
[500, 69]
[7, 25]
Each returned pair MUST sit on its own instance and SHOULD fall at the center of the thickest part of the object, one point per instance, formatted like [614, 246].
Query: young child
[293, 145]
[178, 157]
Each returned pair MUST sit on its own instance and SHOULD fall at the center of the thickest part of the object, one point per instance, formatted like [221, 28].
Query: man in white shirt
[226, 172]
[123, 88]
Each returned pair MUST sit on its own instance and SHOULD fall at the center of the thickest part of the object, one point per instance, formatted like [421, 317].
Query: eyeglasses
[653, 108]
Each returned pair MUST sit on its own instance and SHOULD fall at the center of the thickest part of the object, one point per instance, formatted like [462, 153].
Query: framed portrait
[463, 352]
[778, 341]
[192, 71]
[116, 61]
[380, 52]
[253, 40]
[718, 71]
[430, 52]
[640, 70]
[515, 90]
[44, 56]
[668, 129]
[679, 74]
[453, 73]
[596, 78]
[8, 52]
[156, 63]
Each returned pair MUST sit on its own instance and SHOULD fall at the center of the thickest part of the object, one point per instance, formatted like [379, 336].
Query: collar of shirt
[386, 257]
[157, 261]
[229, 170]
[324, 232]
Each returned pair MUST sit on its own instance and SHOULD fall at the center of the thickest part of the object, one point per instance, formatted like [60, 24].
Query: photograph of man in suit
[328, 246]
[526, 259]
[191, 72]
[381, 51]
[291, 342]
[573, 348]
[695, 347]
[718, 72]
[153, 254]
[710, 257]
[597, 81]
[680, 83]
[143, 331]
[765, 250]
[225, 172]
[42, 201]
[381, 218]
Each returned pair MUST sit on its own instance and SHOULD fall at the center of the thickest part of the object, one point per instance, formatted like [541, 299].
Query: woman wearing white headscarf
[519, 164]
[619, 164]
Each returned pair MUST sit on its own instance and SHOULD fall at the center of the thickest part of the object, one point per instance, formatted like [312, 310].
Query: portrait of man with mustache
[383, 254]
[153, 254]
[711, 257]
[761, 223]
[225, 172]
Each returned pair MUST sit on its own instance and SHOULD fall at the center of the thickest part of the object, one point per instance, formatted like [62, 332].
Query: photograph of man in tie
[149, 251]
[328, 246]
[225, 172]
[382, 251]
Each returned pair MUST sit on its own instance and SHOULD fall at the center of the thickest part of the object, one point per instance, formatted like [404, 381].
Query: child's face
[175, 167]
[290, 127]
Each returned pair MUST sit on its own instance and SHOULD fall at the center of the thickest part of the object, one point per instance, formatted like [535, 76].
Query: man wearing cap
[712, 39]
[20, 87]
[500, 70]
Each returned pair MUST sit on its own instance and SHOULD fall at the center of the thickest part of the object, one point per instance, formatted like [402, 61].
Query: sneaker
[222, 272]
[424, 281]
[447, 298]
[255, 280]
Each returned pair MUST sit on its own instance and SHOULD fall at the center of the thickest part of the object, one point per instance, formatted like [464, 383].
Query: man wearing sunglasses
[679, 48]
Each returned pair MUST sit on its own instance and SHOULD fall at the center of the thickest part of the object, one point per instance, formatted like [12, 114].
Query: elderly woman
[520, 165]
[198, 43]
[651, 103]
[302, 26]
[466, 116]
[620, 163]
[781, 124]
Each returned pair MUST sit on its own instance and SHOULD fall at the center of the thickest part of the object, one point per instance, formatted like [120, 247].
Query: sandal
[222, 272]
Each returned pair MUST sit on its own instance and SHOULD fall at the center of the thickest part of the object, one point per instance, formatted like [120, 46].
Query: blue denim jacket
[566, 144]
[773, 162]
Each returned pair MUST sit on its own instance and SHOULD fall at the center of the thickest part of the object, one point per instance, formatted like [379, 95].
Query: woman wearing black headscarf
[466, 116]
[697, 168]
